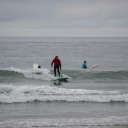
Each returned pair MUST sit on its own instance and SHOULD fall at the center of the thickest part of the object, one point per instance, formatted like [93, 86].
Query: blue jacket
[84, 65]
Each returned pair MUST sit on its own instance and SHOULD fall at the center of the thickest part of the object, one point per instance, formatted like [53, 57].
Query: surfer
[57, 65]
[84, 64]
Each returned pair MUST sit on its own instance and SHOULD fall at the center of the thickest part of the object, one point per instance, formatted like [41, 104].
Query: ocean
[91, 98]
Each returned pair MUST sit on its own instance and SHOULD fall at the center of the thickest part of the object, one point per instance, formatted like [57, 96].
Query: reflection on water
[57, 83]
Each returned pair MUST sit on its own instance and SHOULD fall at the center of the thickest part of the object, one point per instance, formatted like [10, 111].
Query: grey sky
[64, 18]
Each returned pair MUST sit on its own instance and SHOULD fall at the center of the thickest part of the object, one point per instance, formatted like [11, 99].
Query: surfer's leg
[55, 71]
[58, 71]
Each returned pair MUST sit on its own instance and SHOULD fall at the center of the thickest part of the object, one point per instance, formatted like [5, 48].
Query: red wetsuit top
[57, 63]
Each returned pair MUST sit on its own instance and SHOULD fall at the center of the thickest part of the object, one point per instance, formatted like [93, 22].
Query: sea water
[91, 98]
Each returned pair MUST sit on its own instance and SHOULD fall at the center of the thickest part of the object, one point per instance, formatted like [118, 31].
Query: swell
[13, 74]
[97, 75]
[10, 76]
[74, 74]
[6, 73]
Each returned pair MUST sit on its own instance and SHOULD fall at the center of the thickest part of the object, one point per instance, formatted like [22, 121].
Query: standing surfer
[57, 65]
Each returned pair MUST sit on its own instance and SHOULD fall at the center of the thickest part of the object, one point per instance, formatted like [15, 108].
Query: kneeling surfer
[84, 64]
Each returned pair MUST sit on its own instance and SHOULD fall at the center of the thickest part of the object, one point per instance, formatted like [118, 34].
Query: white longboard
[94, 66]
[35, 66]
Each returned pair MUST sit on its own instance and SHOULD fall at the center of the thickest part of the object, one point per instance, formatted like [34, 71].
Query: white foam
[29, 93]
[67, 122]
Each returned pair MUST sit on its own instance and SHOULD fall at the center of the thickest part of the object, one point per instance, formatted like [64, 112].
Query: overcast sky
[64, 18]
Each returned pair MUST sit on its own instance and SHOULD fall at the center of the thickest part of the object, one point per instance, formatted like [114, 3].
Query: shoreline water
[66, 114]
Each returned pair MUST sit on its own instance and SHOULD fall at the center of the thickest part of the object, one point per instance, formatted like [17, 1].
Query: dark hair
[39, 66]
[56, 57]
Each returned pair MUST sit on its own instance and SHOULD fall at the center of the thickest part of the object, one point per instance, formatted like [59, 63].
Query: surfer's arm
[60, 66]
[51, 64]
[85, 66]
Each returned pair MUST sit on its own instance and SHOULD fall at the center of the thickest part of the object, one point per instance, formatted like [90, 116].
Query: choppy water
[92, 97]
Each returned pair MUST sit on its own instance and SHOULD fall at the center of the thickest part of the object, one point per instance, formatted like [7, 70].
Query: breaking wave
[44, 93]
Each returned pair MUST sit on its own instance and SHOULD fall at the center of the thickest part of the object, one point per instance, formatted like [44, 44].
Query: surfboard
[62, 78]
[35, 66]
[94, 65]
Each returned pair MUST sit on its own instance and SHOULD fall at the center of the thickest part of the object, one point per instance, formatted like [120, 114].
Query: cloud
[58, 17]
